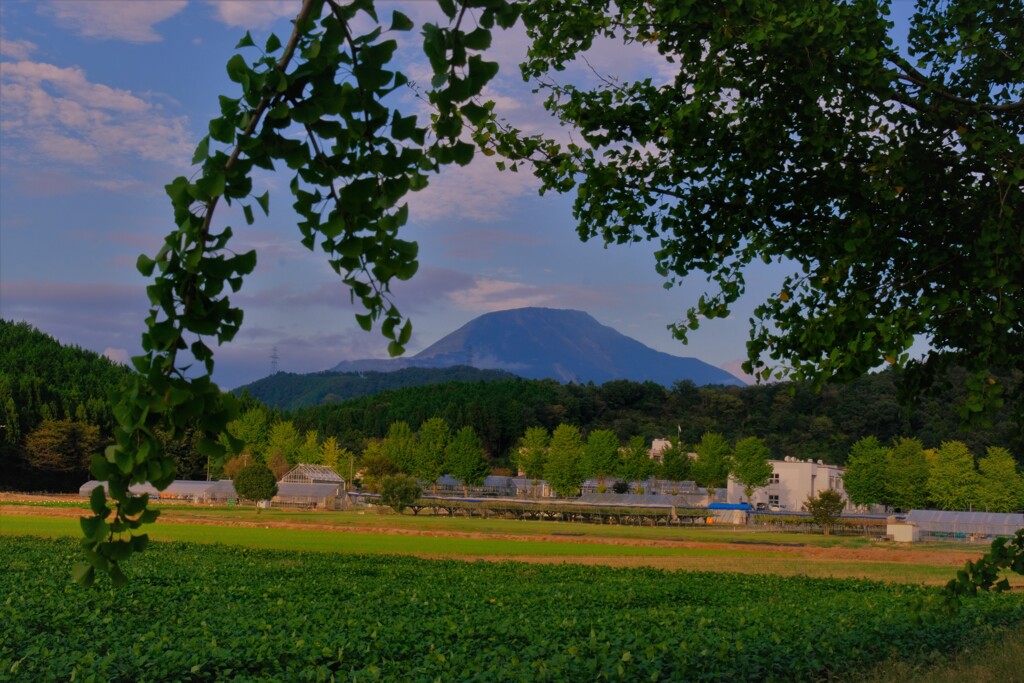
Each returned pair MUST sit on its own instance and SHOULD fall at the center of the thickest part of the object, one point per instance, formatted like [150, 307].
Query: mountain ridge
[547, 343]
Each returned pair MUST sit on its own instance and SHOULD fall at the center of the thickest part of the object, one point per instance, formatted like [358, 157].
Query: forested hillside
[53, 406]
[289, 391]
[55, 415]
[792, 420]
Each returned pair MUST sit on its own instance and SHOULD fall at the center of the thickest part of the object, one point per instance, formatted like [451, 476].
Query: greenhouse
[965, 525]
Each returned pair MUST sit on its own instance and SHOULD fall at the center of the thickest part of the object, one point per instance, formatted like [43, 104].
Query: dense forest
[792, 419]
[54, 409]
[289, 391]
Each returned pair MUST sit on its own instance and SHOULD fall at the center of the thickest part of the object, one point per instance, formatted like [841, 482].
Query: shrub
[399, 491]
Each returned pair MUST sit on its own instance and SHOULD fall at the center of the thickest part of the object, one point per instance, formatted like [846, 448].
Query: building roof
[306, 473]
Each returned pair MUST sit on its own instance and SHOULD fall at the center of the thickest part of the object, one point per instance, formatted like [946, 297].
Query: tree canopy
[255, 482]
[885, 169]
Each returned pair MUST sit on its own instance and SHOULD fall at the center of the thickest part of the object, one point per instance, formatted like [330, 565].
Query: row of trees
[565, 460]
[907, 476]
[904, 475]
[792, 419]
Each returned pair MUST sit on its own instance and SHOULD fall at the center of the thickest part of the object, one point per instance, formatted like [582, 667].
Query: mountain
[540, 343]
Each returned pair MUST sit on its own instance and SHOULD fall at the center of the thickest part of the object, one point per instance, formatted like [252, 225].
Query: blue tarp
[729, 506]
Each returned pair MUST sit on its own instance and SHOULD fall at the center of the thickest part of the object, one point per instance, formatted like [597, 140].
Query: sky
[102, 104]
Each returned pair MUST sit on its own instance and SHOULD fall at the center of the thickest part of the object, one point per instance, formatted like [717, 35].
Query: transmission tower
[273, 361]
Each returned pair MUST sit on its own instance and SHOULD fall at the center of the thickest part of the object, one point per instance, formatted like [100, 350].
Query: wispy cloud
[478, 192]
[17, 49]
[94, 316]
[58, 113]
[113, 19]
[253, 15]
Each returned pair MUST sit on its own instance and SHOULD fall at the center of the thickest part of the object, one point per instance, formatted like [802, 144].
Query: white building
[793, 481]
[658, 448]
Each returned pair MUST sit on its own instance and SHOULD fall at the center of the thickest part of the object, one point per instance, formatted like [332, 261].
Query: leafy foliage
[906, 480]
[532, 454]
[399, 491]
[62, 446]
[984, 573]
[865, 476]
[1001, 486]
[825, 508]
[635, 463]
[602, 453]
[711, 468]
[41, 381]
[465, 458]
[564, 468]
[316, 103]
[952, 479]
[750, 466]
[255, 482]
[791, 418]
[890, 182]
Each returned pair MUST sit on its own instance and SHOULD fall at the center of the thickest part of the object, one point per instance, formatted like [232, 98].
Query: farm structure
[964, 525]
[306, 486]
[792, 482]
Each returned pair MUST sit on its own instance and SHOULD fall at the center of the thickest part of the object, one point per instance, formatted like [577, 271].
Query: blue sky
[102, 104]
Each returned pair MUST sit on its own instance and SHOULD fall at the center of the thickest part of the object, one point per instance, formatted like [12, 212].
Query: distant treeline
[793, 420]
[289, 391]
[64, 388]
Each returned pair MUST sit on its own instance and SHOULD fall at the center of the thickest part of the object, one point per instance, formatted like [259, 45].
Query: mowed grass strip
[363, 543]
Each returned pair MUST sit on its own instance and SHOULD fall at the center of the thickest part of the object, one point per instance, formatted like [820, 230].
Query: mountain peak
[562, 344]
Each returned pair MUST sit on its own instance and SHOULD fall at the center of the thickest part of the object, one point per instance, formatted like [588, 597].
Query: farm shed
[321, 495]
[965, 525]
[493, 485]
[179, 489]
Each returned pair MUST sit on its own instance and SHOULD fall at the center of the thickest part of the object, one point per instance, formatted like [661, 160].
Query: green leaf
[202, 150]
[222, 130]
[246, 41]
[365, 321]
[273, 43]
[211, 186]
[462, 153]
[94, 528]
[145, 265]
[238, 70]
[448, 7]
[247, 212]
[479, 39]
[84, 574]
[98, 502]
[264, 201]
[400, 22]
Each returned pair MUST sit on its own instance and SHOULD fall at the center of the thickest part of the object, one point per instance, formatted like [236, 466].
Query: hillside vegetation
[792, 419]
[289, 391]
[65, 388]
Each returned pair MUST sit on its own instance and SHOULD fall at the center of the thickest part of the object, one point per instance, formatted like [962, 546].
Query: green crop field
[215, 612]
